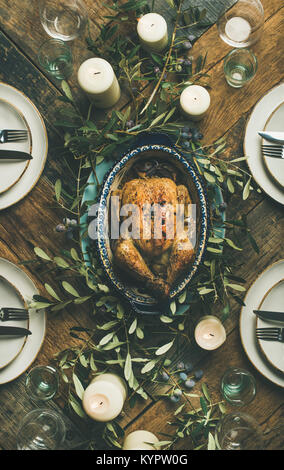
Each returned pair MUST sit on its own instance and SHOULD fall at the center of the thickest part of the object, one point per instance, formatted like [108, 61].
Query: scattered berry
[157, 70]
[187, 45]
[187, 63]
[178, 392]
[191, 37]
[129, 124]
[174, 399]
[198, 374]
[180, 365]
[60, 228]
[186, 144]
[165, 376]
[188, 367]
[183, 376]
[190, 383]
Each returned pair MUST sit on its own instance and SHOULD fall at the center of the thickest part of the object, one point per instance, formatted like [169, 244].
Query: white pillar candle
[153, 32]
[238, 29]
[209, 333]
[140, 440]
[104, 398]
[98, 80]
[195, 101]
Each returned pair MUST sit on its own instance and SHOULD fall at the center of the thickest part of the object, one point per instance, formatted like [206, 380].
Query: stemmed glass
[41, 429]
[239, 431]
[63, 19]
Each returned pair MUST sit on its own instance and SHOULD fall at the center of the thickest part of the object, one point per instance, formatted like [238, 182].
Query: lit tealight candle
[152, 30]
[104, 398]
[140, 440]
[195, 101]
[238, 29]
[98, 80]
[210, 334]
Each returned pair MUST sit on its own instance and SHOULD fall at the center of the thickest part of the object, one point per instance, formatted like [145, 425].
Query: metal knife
[275, 137]
[14, 331]
[272, 316]
[14, 155]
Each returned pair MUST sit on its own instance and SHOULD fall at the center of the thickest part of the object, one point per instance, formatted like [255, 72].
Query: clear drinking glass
[240, 66]
[239, 431]
[41, 429]
[63, 19]
[56, 58]
[238, 387]
[241, 26]
[42, 383]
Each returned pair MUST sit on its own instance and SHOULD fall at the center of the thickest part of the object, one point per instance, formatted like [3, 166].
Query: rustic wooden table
[31, 222]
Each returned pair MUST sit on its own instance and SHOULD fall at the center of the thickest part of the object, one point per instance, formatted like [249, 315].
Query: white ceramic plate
[248, 320]
[11, 171]
[11, 346]
[35, 124]
[33, 343]
[275, 166]
[252, 142]
[273, 301]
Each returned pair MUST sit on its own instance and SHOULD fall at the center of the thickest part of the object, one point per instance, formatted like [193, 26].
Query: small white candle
[210, 334]
[98, 80]
[140, 440]
[238, 29]
[104, 398]
[195, 101]
[152, 30]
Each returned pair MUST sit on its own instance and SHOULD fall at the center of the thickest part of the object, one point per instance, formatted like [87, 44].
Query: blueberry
[190, 383]
[156, 69]
[174, 399]
[165, 376]
[183, 376]
[60, 228]
[180, 365]
[188, 367]
[191, 37]
[186, 130]
[129, 124]
[186, 144]
[198, 374]
[66, 221]
[187, 62]
[187, 45]
[184, 135]
[73, 223]
[178, 392]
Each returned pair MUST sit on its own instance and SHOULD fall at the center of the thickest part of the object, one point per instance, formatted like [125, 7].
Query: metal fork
[7, 314]
[276, 151]
[270, 334]
[10, 135]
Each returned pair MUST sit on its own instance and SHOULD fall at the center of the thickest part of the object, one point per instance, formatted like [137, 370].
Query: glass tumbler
[56, 58]
[241, 25]
[239, 431]
[41, 429]
[64, 19]
[42, 383]
[238, 387]
[240, 66]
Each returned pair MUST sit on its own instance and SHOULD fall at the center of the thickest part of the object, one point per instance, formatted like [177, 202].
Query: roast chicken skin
[153, 259]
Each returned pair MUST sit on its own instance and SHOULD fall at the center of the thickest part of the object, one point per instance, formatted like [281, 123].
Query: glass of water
[238, 387]
[239, 431]
[63, 19]
[41, 429]
[55, 57]
[42, 383]
[240, 66]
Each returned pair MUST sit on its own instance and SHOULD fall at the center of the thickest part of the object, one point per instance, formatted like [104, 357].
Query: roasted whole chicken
[155, 261]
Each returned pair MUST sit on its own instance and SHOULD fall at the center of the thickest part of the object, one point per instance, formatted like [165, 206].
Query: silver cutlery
[270, 334]
[11, 135]
[9, 314]
[270, 316]
[276, 137]
[274, 151]
[14, 155]
[14, 331]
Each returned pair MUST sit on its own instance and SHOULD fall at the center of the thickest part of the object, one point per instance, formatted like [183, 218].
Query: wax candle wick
[211, 334]
[97, 73]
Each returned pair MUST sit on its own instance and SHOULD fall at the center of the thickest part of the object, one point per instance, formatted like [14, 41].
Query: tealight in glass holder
[239, 431]
[238, 387]
[41, 429]
[241, 26]
[240, 66]
[42, 383]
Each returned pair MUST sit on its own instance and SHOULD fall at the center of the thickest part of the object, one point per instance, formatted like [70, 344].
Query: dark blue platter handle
[148, 138]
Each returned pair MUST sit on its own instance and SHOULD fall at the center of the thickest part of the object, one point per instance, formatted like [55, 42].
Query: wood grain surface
[32, 222]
